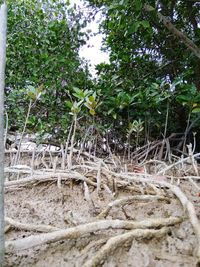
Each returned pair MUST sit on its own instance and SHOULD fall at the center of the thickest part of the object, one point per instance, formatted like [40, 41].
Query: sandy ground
[47, 204]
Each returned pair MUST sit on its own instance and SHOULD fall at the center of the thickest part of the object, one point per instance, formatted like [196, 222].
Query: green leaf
[138, 5]
[91, 98]
[184, 98]
[92, 112]
[114, 116]
[68, 104]
[31, 88]
[31, 95]
[145, 24]
[87, 105]
[110, 111]
[77, 90]
[134, 27]
[196, 110]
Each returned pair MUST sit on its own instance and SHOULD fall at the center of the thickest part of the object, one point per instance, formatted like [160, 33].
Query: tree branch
[189, 43]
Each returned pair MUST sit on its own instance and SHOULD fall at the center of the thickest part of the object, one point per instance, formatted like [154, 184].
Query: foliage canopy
[149, 90]
[44, 38]
[154, 62]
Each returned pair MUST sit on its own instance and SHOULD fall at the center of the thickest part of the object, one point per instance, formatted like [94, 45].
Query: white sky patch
[92, 50]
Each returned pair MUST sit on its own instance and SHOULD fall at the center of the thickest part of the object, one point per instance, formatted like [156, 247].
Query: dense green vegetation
[149, 90]
[153, 70]
[42, 56]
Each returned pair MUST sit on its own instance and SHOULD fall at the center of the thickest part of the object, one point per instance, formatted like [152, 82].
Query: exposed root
[92, 245]
[78, 231]
[163, 171]
[111, 177]
[187, 205]
[190, 210]
[45, 177]
[29, 227]
[116, 241]
[129, 200]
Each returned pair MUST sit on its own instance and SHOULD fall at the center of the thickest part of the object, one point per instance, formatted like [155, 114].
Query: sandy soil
[47, 204]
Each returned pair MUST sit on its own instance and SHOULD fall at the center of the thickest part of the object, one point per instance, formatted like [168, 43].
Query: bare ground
[66, 206]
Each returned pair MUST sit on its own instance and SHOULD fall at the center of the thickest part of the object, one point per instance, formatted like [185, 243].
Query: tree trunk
[3, 28]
